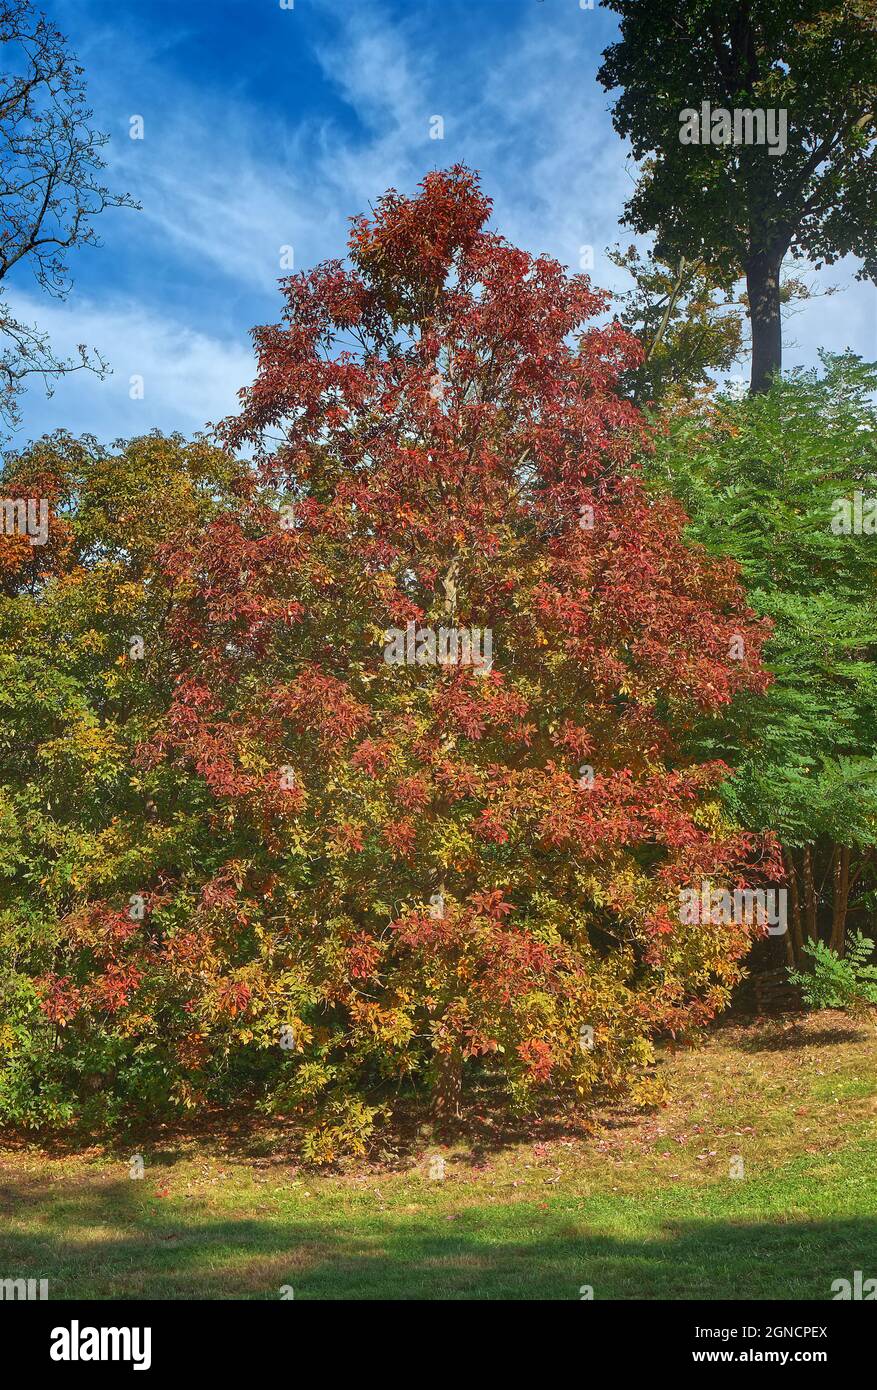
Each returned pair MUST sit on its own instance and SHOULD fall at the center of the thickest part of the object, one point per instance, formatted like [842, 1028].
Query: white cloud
[188, 377]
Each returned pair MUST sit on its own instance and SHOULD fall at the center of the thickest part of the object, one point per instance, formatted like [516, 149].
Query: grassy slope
[643, 1208]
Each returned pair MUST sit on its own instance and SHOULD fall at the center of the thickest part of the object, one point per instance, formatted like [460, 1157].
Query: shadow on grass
[785, 1037]
[121, 1247]
[485, 1125]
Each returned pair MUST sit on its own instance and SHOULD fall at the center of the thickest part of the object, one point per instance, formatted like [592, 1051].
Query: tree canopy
[737, 205]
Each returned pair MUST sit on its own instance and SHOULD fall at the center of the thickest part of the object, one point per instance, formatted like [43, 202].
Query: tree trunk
[447, 1087]
[810, 895]
[763, 291]
[841, 898]
[797, 933]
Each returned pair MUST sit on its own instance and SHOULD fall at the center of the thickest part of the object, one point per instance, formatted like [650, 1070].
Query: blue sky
[267, 127]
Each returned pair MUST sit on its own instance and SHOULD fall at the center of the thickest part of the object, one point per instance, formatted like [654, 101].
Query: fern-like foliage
[839, 982]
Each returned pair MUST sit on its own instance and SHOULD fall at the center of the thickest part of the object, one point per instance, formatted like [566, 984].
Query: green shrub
[839, 982]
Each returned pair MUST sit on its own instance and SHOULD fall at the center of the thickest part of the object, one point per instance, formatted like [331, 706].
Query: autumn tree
[83, 606]
[736, 205]
[689, 326]
[51, 188]
[426, 760]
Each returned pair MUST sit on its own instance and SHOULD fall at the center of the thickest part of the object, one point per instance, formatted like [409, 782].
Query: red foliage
[450, 432]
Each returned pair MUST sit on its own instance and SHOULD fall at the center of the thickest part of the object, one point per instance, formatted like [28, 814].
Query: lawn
[638, 1205]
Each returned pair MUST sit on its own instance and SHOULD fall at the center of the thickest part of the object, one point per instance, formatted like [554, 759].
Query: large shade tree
[739, 207]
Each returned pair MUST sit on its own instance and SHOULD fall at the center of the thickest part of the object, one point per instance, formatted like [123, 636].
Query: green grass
[643, 1208]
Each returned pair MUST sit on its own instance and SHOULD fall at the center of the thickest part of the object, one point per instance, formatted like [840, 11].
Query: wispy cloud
[187, 378]
[524, 109]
